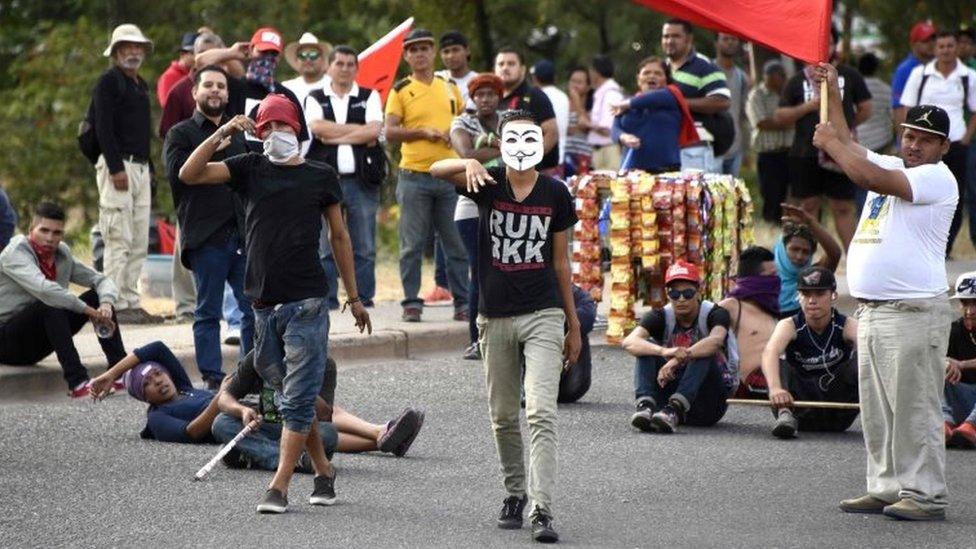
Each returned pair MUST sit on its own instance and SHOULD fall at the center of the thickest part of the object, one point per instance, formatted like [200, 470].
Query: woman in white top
[475, 135]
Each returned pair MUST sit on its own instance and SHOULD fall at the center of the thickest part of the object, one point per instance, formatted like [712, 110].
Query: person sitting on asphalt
[680, 375]
[180, 413]
[812, 356]
[794, 252]
[340, 430]
[959, 406]
[39, 314]
[575, 382]
[753, 306]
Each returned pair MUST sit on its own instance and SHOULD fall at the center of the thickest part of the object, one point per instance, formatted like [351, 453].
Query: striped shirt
[761, 105]
[576, 142]
[876, 132]
[698, 77]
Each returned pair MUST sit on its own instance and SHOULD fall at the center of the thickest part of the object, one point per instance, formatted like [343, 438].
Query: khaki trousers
[184, 289]
[124, 223]
[901, 347]
[538, 337]
[607, 158]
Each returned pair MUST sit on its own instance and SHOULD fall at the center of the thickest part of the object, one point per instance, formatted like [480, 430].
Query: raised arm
[238, 52]
[198, 170]
[832, 250]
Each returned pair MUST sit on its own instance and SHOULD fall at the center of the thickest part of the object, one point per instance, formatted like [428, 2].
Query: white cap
[965, 286]
[127, 32]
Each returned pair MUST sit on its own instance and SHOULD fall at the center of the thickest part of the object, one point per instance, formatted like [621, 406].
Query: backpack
[722, 128]
[87, 138]
[730, 371]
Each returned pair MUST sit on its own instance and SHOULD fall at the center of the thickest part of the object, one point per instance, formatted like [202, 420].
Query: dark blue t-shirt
[655, 118]
[811, 353]
[168, 423]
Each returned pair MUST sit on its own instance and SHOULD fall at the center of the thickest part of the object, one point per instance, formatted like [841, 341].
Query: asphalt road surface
[77, 474]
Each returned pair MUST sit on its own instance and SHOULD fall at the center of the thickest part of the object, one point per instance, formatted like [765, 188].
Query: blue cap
[544, 70]
[188, 39]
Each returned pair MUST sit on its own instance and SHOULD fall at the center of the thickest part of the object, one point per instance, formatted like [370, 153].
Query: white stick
[223, 452]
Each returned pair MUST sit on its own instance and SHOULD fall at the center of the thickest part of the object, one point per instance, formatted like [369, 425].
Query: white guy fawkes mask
[521, 145]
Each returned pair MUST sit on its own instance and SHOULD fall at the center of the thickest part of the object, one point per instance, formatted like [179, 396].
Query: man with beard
[211, 219]
[260, 56]
[308, 58]
[520, 95]
[121, 105]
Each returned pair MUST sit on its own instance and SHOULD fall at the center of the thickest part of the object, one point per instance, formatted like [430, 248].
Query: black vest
[329, 153]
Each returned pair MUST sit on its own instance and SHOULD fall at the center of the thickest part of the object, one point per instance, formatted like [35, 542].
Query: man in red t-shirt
[178, 68]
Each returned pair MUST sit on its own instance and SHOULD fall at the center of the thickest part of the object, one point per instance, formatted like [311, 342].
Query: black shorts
[808, 179]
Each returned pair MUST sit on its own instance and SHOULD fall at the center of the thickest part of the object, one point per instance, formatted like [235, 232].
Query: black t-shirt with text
[515, 253]
[283, 207]
[962, 346]
[684, 336]
[799, 90]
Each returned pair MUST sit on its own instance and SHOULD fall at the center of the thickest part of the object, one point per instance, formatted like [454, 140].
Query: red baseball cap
[277, 108]
[682, 270]
[267, 39]
[922, 31]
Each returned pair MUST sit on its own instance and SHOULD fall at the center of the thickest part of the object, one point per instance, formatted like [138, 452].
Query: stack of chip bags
[623, 286]
[586, 242]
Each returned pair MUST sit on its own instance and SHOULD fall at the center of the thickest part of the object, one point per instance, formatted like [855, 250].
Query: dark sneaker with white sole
[273, 502]
[401, 449]
[324, 492]
[786, 424]
[642, 417]
[543, 530]
[398, 430]
[665, 421]
[511, 516]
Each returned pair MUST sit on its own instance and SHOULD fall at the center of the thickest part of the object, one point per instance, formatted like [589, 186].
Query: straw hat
[307, 40]
[127, 33]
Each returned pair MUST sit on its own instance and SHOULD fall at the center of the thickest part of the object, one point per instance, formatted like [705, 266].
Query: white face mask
[521, 145]
[280, 147]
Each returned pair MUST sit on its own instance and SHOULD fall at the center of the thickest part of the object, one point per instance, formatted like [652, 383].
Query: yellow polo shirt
[424, 106]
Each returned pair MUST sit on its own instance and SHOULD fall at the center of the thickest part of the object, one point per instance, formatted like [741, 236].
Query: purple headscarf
[763, 290]
[135, 379]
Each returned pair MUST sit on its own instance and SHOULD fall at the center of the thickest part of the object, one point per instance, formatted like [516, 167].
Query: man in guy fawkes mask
[261, 56]
[286, 198]
[525, 306]
[121, 120]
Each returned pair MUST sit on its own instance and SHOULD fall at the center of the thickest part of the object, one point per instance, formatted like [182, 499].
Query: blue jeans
[232, 314]
[262, 445]
[960, 403]
[440, 264]
[360, 203]
[213, 267]
[700, 157]
[698, 387]
[732, 165]
[428, 203]
[291, 347]
[468, 229]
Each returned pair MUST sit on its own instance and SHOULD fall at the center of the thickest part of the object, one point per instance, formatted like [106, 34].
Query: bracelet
[351, 300]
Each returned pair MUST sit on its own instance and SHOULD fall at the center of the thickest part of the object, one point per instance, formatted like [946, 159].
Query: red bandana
[688, 134]
[45, 260]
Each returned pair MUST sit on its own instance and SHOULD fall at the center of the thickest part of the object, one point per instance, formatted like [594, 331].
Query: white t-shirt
[300, 87]
[345, 159]
[560, 105]
[943, 92]
[898, 251]
[462, 84]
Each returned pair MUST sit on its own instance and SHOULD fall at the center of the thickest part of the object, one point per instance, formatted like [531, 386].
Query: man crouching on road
[526, 301]
[285, 198]
[896, 269]
[680, 375]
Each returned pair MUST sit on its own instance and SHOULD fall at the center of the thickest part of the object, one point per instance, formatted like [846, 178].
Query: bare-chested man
[754, 308]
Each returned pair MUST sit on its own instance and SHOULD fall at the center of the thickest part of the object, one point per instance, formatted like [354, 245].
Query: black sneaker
[412, 314]
[213, 384]
[235, 459]
[401, 449]
[542, 528]
[511, 516]
[665, 421]
[642, 417]
[324, 492]
[304, 464]
[273, 502]
[398, 430]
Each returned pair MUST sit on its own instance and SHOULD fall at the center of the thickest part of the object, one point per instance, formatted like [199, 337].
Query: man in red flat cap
[285, 198]
[261, 56]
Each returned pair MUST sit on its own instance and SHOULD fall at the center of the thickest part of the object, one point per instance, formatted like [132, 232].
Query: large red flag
[378, 63]
[798, 28]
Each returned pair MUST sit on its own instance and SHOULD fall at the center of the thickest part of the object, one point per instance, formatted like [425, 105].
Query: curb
[17, 382]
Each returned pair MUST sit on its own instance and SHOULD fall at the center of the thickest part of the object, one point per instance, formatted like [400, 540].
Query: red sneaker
[81, 391]
[438, 295]
[117, 386]
[964, 436]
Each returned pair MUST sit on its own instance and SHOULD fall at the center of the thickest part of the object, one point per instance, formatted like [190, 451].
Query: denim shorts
[291, 347]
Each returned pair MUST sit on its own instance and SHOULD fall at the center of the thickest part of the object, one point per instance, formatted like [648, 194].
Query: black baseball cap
[418, 35]
[816, 278]
[544, 70]
[453, 38]
[189, 38]
[928, 118]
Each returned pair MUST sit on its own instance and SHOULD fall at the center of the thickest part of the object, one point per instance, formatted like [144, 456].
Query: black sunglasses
[687, 293]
